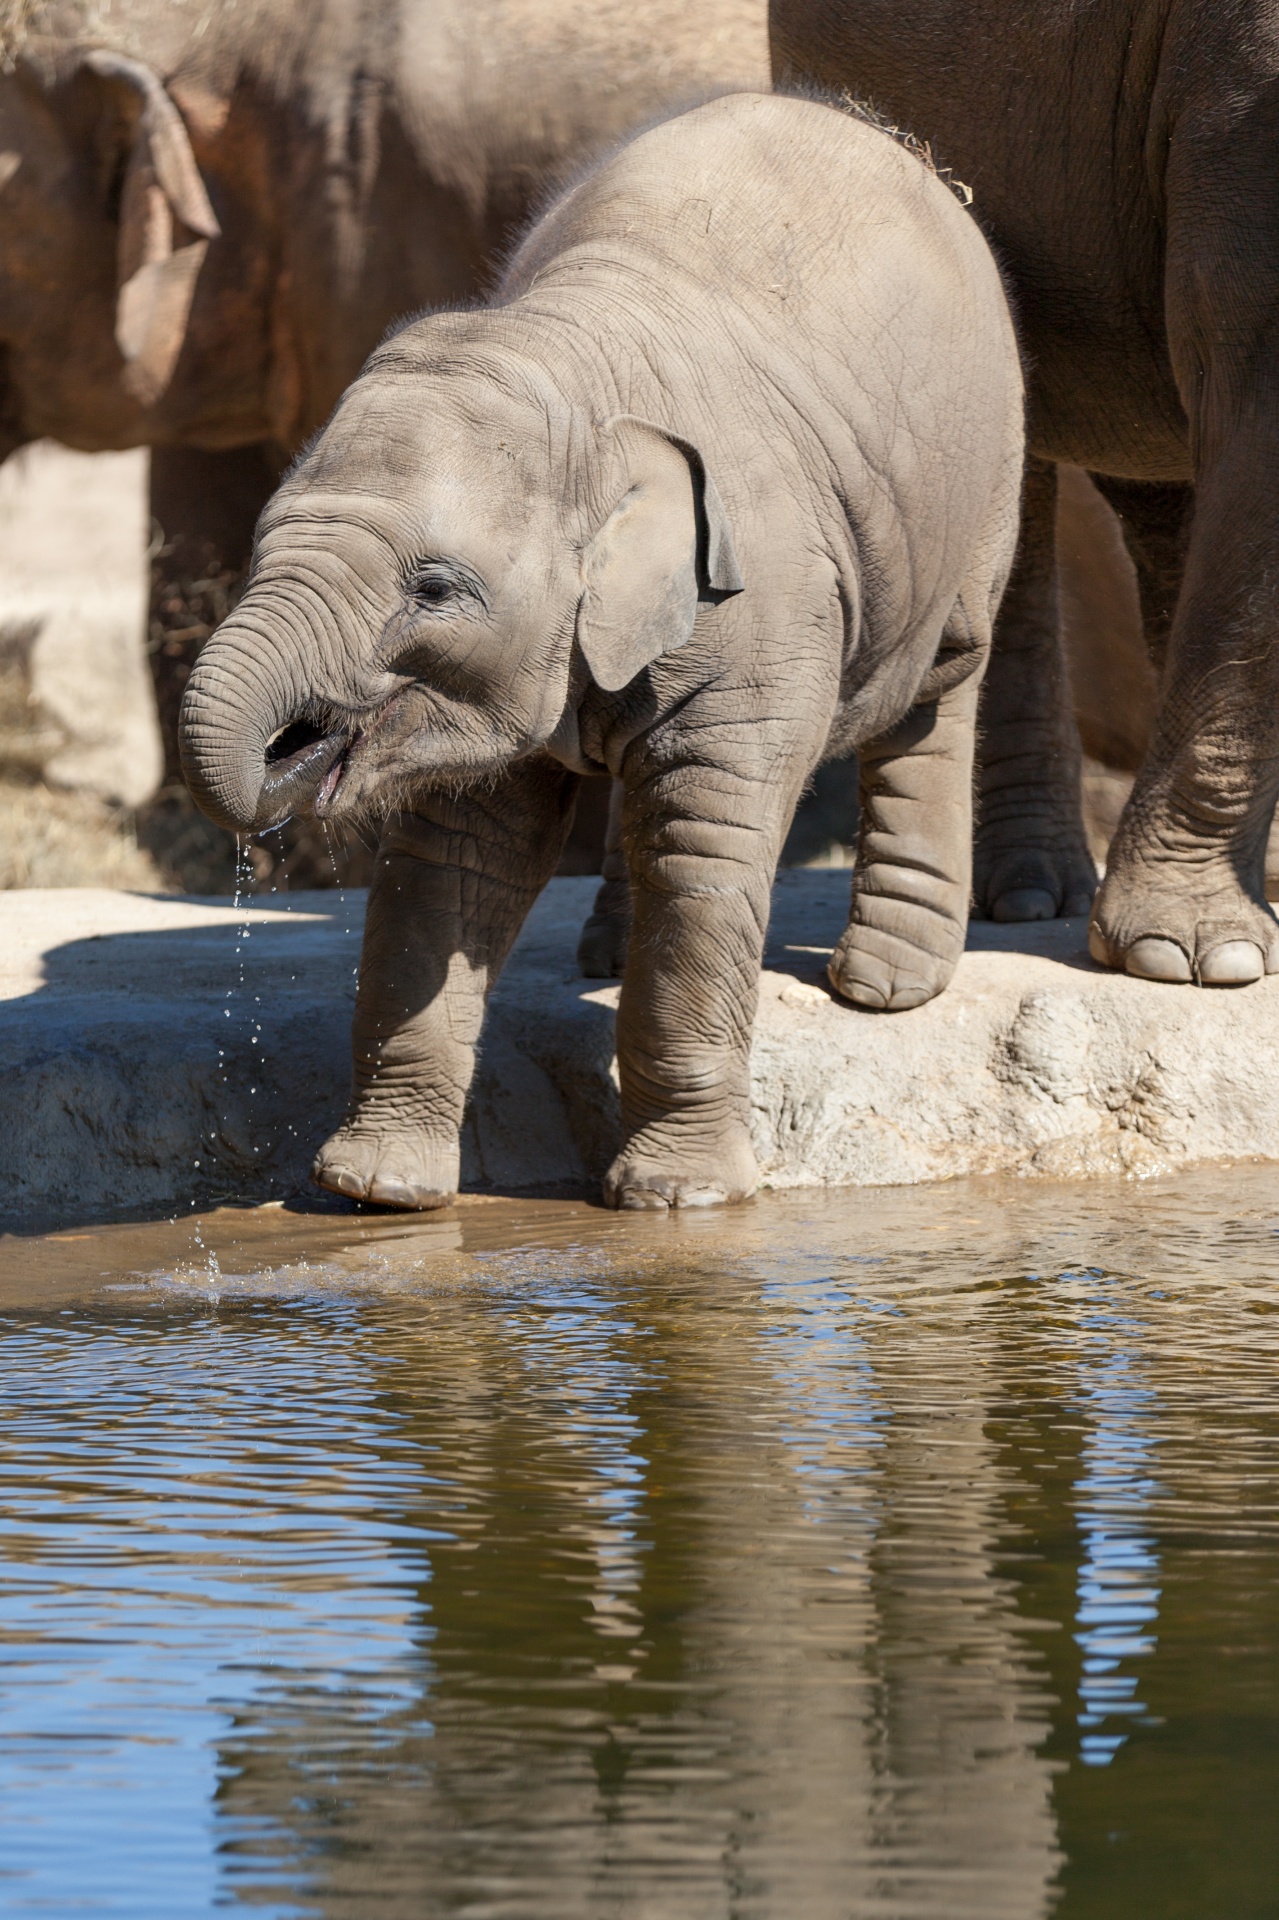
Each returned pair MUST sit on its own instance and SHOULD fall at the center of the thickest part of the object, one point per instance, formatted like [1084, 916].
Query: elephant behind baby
[1122, 157]
[210, 213]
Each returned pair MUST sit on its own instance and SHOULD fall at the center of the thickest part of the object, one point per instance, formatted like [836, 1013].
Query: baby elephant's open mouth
[304, 767]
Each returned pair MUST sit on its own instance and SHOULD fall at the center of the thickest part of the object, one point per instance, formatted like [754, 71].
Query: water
[904, 1554]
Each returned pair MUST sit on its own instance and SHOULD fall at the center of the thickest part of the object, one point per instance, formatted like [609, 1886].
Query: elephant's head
[104, 226]
[438, 580]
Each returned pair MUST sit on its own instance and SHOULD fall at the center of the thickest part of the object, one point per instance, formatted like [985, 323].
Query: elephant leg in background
[702, 838]
[1184, 893]
[1155, 520]
[912, 879]
[1113, 685]
[601, 950]
[453, 883]
[1120, 555]
[1030, 857]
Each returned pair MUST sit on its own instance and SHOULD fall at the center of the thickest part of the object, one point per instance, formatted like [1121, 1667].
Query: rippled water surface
[897, 1554]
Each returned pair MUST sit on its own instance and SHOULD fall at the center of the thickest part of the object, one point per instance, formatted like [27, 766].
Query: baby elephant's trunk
[250, 754]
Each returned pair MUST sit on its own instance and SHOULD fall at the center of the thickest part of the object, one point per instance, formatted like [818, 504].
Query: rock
[161, 1052]
[73, 611]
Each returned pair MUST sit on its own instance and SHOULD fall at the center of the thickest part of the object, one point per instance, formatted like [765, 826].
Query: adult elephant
[1122, 156]
[211, 211]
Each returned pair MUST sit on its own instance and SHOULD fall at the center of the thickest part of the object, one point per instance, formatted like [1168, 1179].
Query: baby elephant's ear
[664, 547]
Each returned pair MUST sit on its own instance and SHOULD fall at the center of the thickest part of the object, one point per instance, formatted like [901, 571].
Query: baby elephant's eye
[444, 585]
[432, 587]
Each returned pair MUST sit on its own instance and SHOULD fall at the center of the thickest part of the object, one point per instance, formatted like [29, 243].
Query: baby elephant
[723, 482]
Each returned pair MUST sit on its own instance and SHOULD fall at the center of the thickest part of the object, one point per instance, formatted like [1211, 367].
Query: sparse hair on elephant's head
[458, 557]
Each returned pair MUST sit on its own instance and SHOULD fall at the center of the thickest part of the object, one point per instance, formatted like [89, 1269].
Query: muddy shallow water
[894, 1554]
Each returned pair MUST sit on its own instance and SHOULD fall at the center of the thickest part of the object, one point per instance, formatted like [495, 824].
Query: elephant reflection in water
[883, 1678]
[710, 1610]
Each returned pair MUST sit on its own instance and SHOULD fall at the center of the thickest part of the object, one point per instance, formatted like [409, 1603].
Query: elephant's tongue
[329, 784]
[296, 780]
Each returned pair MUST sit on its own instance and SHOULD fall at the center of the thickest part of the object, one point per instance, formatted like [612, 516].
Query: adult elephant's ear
[664, 547]
[166, 224]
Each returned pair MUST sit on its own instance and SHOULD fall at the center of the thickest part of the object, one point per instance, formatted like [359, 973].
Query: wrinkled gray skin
[702, 498]
[1123, 160]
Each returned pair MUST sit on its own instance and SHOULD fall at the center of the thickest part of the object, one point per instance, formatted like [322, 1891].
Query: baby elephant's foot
[405, 1167]
[1160, 930]
[892, 968]
[662, 1167]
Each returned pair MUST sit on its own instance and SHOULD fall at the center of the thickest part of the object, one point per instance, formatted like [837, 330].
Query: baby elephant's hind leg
[914, 858]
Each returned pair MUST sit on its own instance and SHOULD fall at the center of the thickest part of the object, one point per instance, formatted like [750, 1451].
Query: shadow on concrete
[183, 1065]
[159, 1069]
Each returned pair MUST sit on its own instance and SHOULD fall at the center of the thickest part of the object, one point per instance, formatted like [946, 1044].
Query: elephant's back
[788, 205]
[803, 240]
[544, 84]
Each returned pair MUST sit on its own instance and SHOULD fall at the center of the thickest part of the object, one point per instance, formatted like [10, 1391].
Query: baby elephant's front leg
[913, 875]
[700, 910]
[453, 884]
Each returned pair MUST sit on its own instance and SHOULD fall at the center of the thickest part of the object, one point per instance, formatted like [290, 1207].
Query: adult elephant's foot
[1186, 925]
[601, 950]
[667, 1164]
[1040, 870]
[894, 954]
[389, 1166]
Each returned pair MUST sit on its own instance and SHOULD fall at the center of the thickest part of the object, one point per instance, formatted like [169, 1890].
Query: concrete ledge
[152, 1056]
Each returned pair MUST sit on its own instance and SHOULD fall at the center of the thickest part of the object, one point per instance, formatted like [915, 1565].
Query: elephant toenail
[642, 1200]
[391, 1193]
[1235, 963]
[1076, 904]
[1098, 947]
[340, 1180]
[1025, 903]
[904, 998]
[386, 1191]
[1157, 959]
[859, 992]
